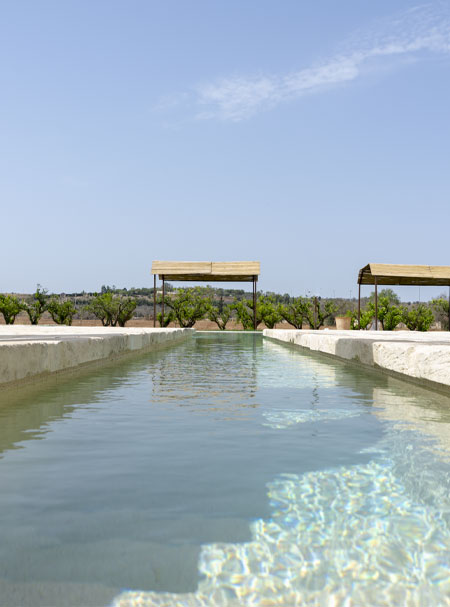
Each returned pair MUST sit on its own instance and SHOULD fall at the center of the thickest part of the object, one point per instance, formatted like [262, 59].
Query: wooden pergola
[387, 274]
[205, 271]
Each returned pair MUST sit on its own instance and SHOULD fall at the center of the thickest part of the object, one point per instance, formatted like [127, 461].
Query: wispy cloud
[420, 30]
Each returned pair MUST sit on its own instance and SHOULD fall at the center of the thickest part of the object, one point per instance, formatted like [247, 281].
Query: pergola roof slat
[181, 267]
[394, 274]
[213, 271]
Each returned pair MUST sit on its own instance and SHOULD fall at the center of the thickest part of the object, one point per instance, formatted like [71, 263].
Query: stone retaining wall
[421, 357]
[29, 352]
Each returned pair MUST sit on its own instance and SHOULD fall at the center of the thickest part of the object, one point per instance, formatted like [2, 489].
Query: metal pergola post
[376, 304]
[154, 300]
[254, 303]
[162, 305]
[359, 306]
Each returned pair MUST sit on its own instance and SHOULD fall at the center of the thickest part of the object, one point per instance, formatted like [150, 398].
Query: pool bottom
[372, 534]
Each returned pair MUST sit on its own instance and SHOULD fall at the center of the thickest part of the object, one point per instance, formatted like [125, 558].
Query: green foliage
[220, 314]
[440, 307]
[387, 294]
[295, 312]
[127, 307]
[441, 304]
[269, 310]
[10, 306]
[38, 306]
[389, 314]
[188, 306]
[366, 318]
[419, 318]
[104, 307]
[391, 318]
[318, 311]
[62, 311]
[168, 318]
[112, 309]
[244, 313]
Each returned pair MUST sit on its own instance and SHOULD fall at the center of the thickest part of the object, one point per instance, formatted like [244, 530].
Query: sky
[310, 136]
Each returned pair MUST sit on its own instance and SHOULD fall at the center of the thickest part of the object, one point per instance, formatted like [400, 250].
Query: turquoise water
[227, 470]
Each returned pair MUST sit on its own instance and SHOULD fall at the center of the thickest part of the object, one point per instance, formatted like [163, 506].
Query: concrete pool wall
[32, 352]
[421, 357]
[29, 352]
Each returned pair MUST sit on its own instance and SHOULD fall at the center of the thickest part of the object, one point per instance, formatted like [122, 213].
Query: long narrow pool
[228, 471]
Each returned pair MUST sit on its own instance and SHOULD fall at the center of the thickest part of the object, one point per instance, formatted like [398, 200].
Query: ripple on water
[353, 535]
[279, 419]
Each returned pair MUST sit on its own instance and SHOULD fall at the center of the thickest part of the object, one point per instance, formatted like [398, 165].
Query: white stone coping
[28, 352]
[423, 357]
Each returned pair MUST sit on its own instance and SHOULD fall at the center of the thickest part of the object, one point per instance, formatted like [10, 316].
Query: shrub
[419, 318]
[389, 314]
[112, 309]
[318, 311]
[269, 311]
[168, 318]
[295, 312]
[366, 317]
[220, 316]
[440, 307]
[62, 311]
[38, 306]
[10, 306]
[391, 318]
[188, 306]
[127, 306]
[244, 313]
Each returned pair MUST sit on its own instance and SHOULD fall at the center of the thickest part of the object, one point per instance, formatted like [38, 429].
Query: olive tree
[10, 307]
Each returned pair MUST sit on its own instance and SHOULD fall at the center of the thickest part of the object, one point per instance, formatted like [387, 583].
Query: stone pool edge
[31, 354]
[422, 358]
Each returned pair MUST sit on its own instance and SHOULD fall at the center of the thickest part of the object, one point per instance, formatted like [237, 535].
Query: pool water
[227, 470]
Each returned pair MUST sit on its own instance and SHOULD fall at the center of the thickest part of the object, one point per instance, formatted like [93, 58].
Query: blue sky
[312, 136]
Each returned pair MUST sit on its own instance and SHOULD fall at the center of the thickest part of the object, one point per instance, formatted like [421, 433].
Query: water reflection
[373, 533]
[215, 373]
[222, 471]
[296, 369]
[26, 412]
[418, 409]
